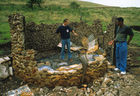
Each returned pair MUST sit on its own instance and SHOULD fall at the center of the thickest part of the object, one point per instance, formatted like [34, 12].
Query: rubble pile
[21, 91]
[112, 84]
[120, 85]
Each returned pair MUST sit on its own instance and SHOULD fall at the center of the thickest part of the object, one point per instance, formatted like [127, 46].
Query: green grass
[136, 38]
[1, 52]
[138, 58]
[4, 33]
[54, 11]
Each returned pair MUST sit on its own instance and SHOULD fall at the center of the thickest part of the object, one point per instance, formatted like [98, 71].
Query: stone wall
[42, 37]
[23, 60]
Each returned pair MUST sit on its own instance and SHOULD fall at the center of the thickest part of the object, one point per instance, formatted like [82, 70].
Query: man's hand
[74, 33]
[111, 42]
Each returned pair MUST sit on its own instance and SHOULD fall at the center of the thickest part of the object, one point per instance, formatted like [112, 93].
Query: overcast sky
[120, 3]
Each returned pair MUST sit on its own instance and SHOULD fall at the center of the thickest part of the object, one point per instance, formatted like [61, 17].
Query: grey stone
[80, 93]
[122, 93]
[56, 94]
[58, 88]
[109, 94]
[72, 91]
[99, 93]
[115, 92]
[46, 90]
[3, 72]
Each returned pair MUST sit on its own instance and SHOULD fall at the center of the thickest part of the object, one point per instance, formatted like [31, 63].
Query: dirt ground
[133, 67]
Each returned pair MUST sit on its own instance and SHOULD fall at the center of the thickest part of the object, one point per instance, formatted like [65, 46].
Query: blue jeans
[65, 42]
[121, 56]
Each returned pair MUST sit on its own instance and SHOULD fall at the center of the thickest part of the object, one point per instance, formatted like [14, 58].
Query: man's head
[120, 21]
[66, 22]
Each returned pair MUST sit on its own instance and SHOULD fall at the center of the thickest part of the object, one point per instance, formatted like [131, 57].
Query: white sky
[120, 3]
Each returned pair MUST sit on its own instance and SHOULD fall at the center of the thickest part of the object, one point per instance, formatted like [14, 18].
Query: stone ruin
[28, 39]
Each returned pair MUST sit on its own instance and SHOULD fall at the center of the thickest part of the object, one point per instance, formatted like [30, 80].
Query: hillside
[54, 11]
[54, 2]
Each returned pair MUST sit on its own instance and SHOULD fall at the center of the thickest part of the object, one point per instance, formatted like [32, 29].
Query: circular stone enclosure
[26, 67]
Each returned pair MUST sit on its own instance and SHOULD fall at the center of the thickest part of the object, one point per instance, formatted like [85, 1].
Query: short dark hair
[65, 20]
[120, 19]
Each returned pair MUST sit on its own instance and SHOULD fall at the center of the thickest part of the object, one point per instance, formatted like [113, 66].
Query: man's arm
[131, 34]
[74, 33]
[130, 38]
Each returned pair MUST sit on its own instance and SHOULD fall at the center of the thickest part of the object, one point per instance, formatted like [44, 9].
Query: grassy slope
[54, 11]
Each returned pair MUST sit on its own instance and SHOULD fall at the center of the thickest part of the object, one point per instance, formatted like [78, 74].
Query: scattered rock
[109, 94]
[58, 88]
[106, 81]
[99, 93]
[3, 72]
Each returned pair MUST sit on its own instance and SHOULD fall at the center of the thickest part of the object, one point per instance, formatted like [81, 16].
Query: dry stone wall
[23, 60]
[43, 37]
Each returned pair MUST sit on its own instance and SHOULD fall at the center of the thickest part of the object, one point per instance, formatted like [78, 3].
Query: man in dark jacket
[64, 31]
[121, 44]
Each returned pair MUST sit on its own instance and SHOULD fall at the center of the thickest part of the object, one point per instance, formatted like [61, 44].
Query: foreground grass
[54, 11]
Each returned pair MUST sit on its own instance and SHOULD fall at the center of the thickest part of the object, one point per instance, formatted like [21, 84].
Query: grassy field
[54, 11]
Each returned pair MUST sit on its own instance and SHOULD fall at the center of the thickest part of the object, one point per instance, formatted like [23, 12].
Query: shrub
[31, 3]
[74, 5]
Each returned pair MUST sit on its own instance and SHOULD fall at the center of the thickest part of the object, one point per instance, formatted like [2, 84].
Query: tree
[31, 3]
[74, 5]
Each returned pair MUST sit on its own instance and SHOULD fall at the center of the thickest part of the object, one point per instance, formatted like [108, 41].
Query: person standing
[64, 31]
[121, 44]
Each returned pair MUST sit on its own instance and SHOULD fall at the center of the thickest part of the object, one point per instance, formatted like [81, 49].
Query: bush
[31, 3]
[74, 5]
